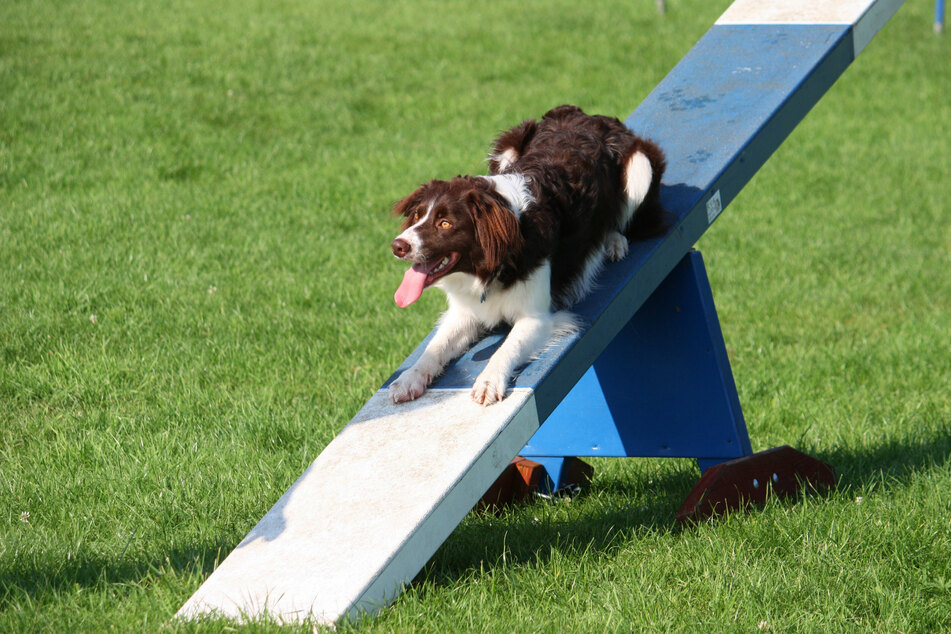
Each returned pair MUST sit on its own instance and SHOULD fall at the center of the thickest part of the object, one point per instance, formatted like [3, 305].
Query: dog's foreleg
[455, 332]
[528, 337]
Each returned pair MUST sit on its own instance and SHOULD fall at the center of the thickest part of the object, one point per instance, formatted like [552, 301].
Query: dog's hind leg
[638, 174]
[642, 166]
[616, 246]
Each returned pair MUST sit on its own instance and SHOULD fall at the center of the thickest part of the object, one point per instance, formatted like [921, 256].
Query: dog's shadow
[599, 519]
[641, 503]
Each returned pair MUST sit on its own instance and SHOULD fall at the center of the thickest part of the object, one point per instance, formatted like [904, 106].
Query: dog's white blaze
[514, 189]
[637, 181]
[411, 235]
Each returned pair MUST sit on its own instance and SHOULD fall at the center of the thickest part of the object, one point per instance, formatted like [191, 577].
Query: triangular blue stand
[663, 388]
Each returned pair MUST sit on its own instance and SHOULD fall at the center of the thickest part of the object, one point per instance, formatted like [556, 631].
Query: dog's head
[457, 226]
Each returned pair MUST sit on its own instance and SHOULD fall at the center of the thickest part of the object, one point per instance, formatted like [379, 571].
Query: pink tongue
[414, 280]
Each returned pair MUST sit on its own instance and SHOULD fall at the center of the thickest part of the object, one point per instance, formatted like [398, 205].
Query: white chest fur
[493, 305]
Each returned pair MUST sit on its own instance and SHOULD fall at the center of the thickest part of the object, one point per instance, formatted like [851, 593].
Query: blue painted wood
[663, 388]
[554, 477]
[706, 463]
[731, 101]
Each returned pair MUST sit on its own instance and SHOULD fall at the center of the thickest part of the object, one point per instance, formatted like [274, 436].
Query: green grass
[195, 296]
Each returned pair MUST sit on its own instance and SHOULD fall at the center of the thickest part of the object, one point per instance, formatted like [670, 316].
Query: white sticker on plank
[714, 207]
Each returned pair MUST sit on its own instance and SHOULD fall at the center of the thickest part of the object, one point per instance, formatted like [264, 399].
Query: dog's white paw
[490, 386]
[615, 247]
[409, 385]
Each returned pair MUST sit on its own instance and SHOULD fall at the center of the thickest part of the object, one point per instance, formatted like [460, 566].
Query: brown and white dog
[522, 244]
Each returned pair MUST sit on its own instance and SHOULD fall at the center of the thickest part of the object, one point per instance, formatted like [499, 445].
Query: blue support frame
[662, 388]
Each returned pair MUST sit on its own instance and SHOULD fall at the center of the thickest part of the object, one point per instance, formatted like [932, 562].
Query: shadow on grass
[621, 505]
[894, 461]
[518, 537]
[615, 507]
[47, 577]
[596, 521]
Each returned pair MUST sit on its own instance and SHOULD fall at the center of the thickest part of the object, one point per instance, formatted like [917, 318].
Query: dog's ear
[409, 204]
[497, 231]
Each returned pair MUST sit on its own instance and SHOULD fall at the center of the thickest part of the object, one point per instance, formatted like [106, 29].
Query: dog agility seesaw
[647, 376]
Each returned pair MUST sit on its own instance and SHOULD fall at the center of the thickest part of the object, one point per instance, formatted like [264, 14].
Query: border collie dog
[525, 242]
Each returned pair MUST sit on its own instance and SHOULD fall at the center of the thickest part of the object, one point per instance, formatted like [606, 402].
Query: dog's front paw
[410, 385]
[616, 247]
[490, 387]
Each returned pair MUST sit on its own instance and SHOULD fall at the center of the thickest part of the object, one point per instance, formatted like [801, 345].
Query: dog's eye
[416, 215]
[445, 224]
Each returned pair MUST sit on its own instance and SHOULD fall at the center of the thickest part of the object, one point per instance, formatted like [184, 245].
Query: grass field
[195, 296]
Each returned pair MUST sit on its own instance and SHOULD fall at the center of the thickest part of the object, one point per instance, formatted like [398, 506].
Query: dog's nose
[400, 247]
